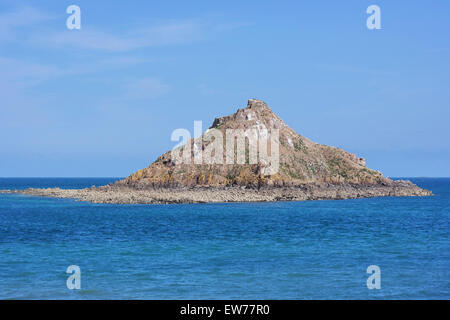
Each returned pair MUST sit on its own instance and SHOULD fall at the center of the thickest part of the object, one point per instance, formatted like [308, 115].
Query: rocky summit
[301, 161]
[251, 155]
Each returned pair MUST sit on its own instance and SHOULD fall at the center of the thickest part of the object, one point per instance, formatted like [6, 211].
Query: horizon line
[112, 177]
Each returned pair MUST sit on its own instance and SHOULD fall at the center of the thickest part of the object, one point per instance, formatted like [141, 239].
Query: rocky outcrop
[301, 161]
[305, 170]
[202, 194]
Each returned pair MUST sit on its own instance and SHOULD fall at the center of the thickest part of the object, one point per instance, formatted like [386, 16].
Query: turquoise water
[288, 250]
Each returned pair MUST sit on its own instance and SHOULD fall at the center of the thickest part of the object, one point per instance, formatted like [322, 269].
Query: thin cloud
[20, 17]
[26, 73]
[171, 33]
[108, 64]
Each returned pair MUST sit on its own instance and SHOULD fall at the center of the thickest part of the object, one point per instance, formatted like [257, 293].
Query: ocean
[284, 250]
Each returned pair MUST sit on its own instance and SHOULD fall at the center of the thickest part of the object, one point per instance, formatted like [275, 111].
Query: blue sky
[104, 100]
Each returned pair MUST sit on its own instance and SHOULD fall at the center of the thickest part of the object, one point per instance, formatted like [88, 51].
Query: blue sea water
[285, 250]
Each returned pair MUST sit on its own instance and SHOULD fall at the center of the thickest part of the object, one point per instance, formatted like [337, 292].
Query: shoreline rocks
[124, 195]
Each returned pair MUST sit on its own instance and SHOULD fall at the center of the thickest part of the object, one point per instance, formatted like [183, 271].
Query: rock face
[199, 194]
[301, 161]
[301, 170]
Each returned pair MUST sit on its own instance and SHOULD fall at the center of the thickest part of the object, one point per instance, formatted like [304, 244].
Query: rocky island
[251, 155]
